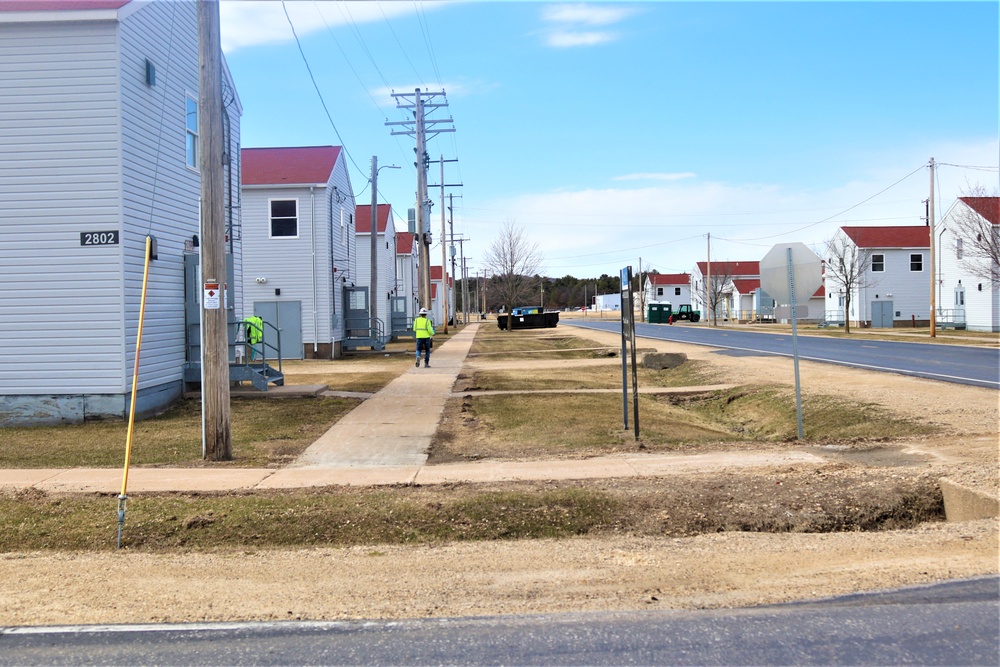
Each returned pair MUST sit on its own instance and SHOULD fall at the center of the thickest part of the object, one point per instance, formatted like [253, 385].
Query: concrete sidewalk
[159, 480]
[395, 426]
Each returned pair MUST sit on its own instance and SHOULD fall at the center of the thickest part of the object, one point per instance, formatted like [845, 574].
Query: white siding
[982, 298]
[60, 330]
[387, 287]
[343, 247]
[159, 192]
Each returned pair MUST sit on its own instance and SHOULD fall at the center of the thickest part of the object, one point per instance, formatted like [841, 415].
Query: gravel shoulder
[538, 576]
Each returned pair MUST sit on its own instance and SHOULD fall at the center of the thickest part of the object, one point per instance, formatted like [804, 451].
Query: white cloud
[593, 231]
[585, 14]
[567, 23]
[656, 176]
[263, 22]
[565, 39]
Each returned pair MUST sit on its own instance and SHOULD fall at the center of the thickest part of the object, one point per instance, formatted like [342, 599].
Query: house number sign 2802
[99, 238]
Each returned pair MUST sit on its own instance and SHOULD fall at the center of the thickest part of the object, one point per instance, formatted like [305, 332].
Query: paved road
[953, 623]
[960, 364]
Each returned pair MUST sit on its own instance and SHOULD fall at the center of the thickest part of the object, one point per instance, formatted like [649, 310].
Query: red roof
[288, 166]
[436, 276]
[746, 285]
[363, 218]
[988, 207]
[821, 292]
[59, 5]
[404, 243]
[731, 269]
[669, 278]
[889, 237]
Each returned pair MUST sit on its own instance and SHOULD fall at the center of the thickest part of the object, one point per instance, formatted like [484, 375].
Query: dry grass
[265, 433]
[525, 426]
[538, 343]
[588, 377]
[776, 501]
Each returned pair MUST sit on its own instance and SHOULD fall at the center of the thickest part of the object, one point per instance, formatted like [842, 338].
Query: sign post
[789, 273]
[628, 336]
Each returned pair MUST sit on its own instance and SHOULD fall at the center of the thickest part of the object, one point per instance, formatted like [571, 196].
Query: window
[878, 263]
[677, 291]
[916, 262]
[191, 125]
[659, 291]
[958, 248]
[284, 218]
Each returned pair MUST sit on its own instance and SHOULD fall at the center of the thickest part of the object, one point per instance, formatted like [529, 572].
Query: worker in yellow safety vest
[423, 331]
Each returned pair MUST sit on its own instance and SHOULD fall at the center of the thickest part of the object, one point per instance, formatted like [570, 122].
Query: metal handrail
[376, 334]
[259, 348]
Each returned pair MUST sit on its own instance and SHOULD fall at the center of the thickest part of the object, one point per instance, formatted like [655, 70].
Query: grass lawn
[265, 433]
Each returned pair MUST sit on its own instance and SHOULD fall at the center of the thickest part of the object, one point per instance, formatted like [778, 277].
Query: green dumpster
[658, 313]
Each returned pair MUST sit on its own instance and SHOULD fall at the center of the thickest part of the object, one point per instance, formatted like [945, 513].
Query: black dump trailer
[528, 318]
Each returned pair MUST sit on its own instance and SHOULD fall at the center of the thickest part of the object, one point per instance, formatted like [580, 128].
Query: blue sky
[612, 132]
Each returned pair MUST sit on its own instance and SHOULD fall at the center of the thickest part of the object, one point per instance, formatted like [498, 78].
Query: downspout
[312, 243]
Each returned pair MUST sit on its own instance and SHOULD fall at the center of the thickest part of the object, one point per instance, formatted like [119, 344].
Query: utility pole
[419, 103]
[642, 295]
[444, 257]
[708, 283]
[932, 258]
[215, 334]
[373, 278]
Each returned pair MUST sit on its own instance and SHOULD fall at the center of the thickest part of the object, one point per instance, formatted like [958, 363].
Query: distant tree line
[559, 293]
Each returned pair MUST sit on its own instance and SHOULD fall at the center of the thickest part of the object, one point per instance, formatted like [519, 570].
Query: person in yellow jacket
[423, 331]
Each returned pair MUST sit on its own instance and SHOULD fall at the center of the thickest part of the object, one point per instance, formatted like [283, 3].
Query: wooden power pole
[215, 336]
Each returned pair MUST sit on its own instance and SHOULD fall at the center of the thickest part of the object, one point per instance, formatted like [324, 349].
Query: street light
[373, 282]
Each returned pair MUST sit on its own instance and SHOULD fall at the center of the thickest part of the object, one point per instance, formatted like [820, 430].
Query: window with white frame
[959, 249]
[191, 132]
[677, 291]
[284, 215]
[659, 291]
[916, 262]
[878, 263]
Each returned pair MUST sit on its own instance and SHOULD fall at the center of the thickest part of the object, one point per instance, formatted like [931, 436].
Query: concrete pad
[23, 478]
[498, 471]
[283, 391]
[153, 480]
[294, 478]
[662, 465]
[964, 504]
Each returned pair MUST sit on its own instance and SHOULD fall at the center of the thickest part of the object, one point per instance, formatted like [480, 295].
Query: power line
[305, 60]
[837, 215]
[422, 20]
[348, 61]
[398, 43]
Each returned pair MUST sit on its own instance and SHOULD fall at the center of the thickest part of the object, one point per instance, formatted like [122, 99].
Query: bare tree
[976, 234]
[846, 269]
[514, 261]
[722, 273]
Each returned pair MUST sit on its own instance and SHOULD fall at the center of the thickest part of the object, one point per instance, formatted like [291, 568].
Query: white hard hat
[423, 311]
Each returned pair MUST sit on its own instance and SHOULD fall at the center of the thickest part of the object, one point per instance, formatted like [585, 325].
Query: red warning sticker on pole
[212, 296]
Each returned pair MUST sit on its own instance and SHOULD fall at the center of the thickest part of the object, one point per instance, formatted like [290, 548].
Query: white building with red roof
[437, 309]
[300, 248]
[720, 275]
[674, 288]
[406, 272]
[99, 148]
[968, 279]
[389, 299]
[894, 288]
